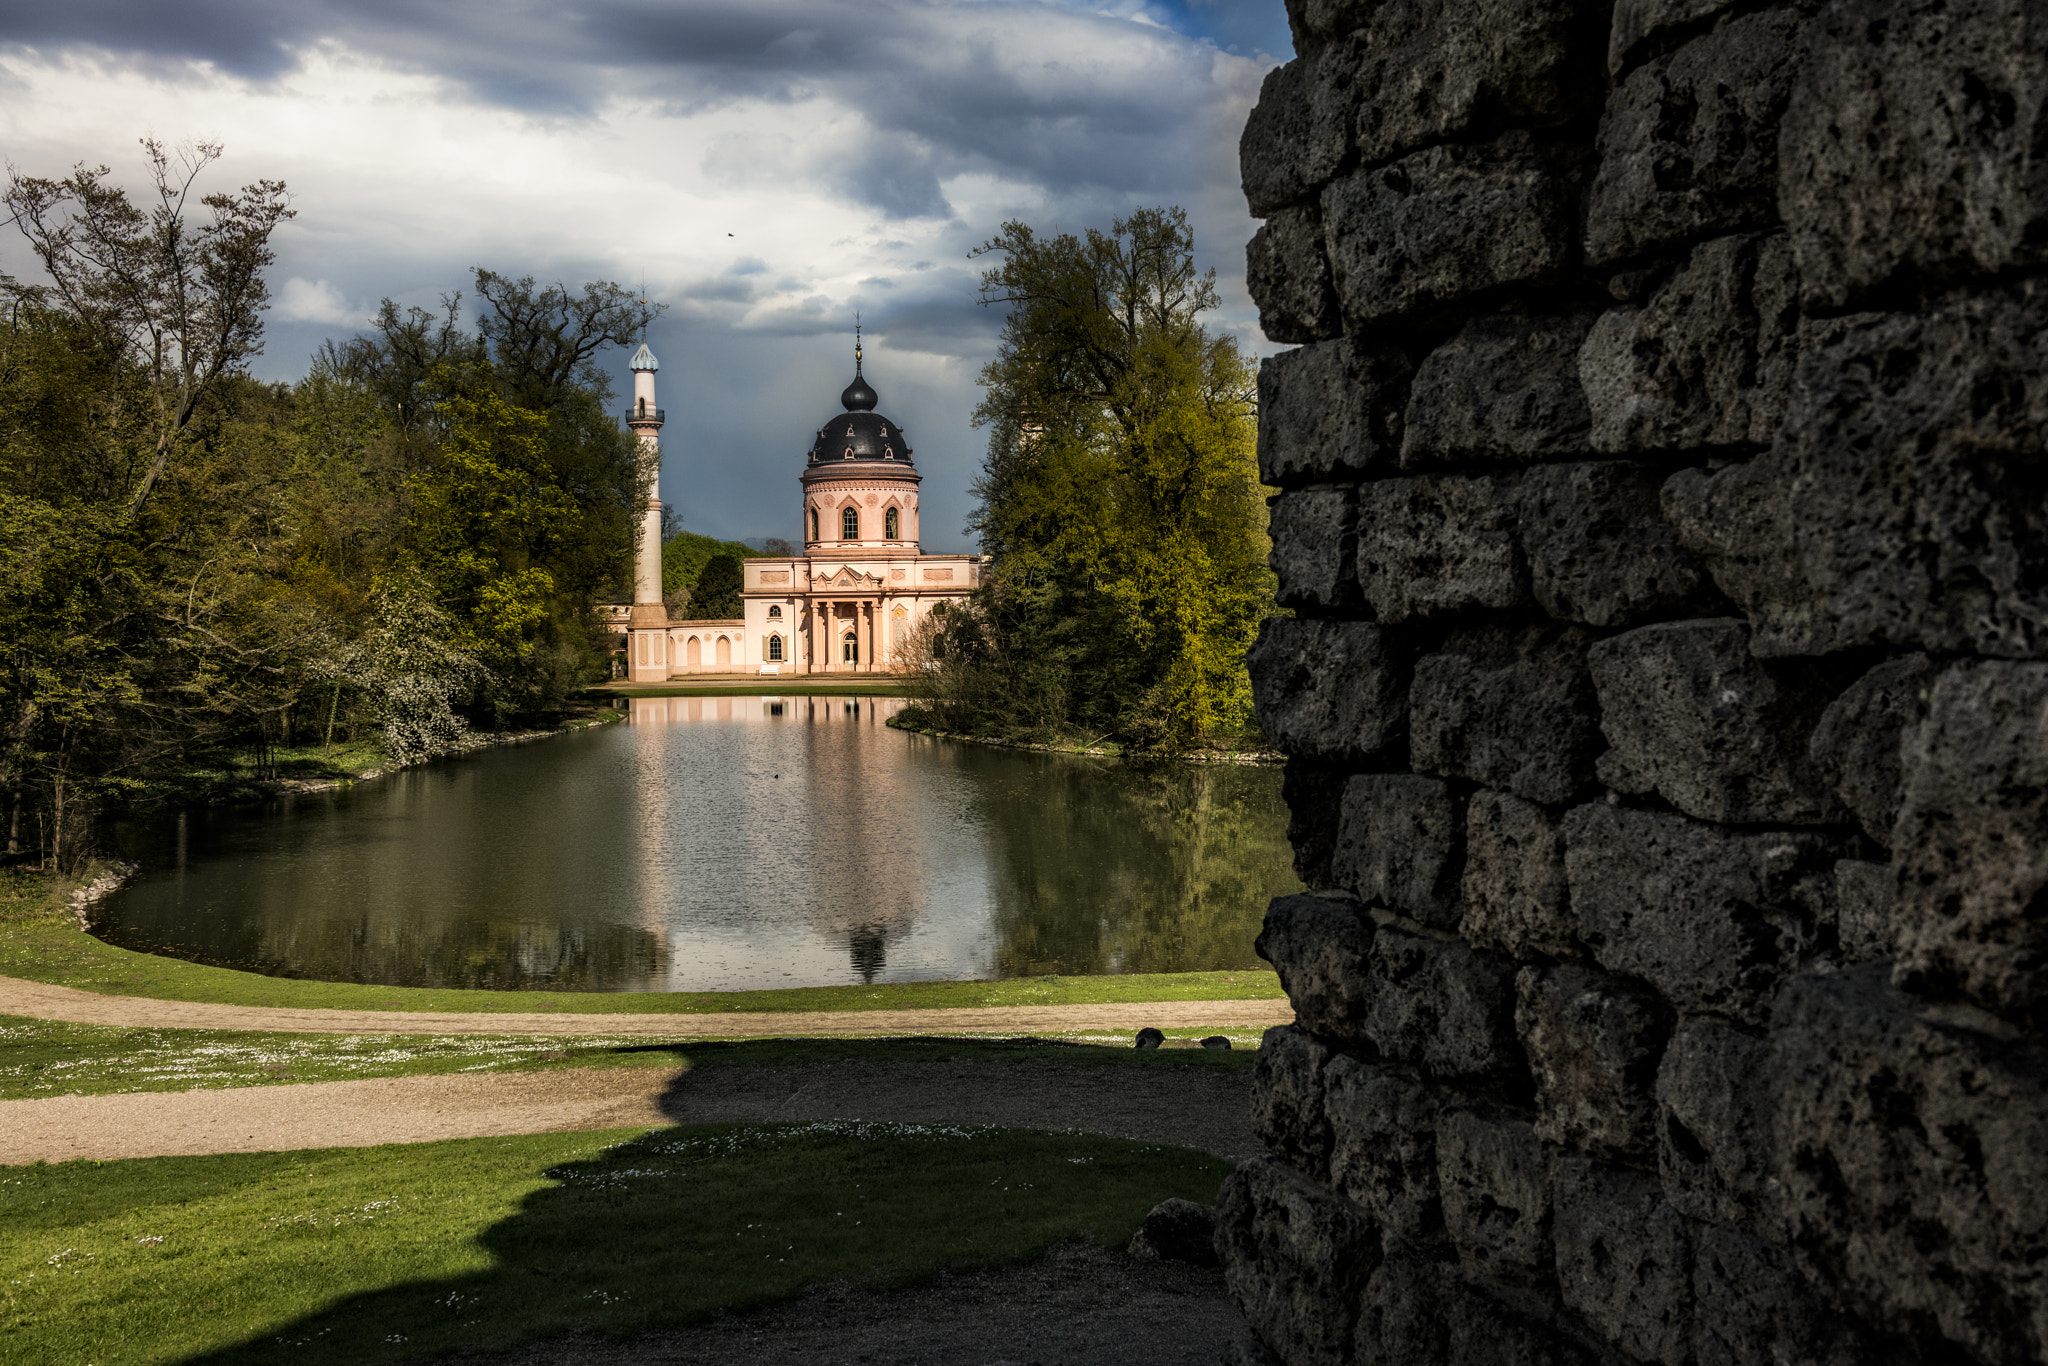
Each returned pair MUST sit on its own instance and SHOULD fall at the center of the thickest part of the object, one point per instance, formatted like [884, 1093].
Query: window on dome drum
[774, 649]
[849, 648]
[892, 525]
[775, 613]
[814, 524]
[849, 524]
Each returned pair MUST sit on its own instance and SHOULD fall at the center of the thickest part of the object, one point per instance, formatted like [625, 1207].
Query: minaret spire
[856, 343]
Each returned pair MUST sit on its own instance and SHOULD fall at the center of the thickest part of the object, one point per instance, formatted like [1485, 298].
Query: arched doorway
[849, 648]
[725, 651]
[693, 653]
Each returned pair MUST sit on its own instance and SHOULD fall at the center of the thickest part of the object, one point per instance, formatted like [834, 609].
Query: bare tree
[185, 303]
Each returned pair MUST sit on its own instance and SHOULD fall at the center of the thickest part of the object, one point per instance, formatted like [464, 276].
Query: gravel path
[46, 1002]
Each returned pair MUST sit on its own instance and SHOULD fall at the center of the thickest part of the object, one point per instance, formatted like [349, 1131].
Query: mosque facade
[849, 603]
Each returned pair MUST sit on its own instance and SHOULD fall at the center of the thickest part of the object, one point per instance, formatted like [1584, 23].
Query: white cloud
[315, 301]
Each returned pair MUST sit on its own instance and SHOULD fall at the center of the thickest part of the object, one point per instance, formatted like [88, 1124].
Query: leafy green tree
[716, 596]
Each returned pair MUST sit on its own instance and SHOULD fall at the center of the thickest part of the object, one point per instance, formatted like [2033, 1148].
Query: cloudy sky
[766, 167]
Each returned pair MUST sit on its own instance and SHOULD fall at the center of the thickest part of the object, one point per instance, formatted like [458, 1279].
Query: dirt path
[46, 1002]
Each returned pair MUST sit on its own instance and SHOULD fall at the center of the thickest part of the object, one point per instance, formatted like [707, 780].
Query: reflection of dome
[860, 433]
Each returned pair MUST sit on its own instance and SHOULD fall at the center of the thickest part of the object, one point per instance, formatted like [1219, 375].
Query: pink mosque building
[847, 604]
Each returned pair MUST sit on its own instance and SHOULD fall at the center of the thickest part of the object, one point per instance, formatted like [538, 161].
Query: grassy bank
[402, 1252]
[40, 1058]
[765, 688]
[38, 941]
[914, 720]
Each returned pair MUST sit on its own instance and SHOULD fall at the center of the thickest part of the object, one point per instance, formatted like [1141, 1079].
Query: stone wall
[1663, 522]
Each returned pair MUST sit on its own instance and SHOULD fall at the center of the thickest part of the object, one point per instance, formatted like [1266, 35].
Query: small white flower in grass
[151, 1240]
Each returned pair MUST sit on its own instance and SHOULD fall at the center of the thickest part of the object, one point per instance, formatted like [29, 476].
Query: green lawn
[47, 1058]
[39, 943]
[400, 1252]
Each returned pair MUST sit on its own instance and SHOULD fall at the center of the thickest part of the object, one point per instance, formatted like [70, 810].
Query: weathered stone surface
[1756, 1309]
[1689, 143]
[1330, 412]
[1901, 504]
[1599, 549]
[1314, 793]
[1316, 23]
[1866, 899]
[1507, 707]
[1438, 1005]
[1296, 1260]
[1328, 689]
[1288, 276]
[1299, 133]
[1719, 734]
[1678, 373]
[1438, 543]
[1912, 144]
[1383, 1144]
[1594, 1042]
[1971, 843]
[1418, 1312]
[1399, 845]
[1320, 945]
[1287, 1099]
[1855, 747]
[1445, 226]
[1624, 1258]
[1715, 1146]
[1439, 70]
[1496, 1195]
[1313, 543]
[1713, 919]
[1516, 900]
[1914, 1165]
[1176, 1230]
[1638, 20]
[1505, 388]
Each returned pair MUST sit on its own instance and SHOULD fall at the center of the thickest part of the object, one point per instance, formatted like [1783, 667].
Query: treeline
[1119, 504]
[198, 570]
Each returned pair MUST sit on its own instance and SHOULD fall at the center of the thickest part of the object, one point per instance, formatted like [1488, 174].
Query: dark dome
[859, 397]
[860, 433]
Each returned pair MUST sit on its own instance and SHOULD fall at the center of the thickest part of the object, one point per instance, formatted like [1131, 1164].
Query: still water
[723, 843]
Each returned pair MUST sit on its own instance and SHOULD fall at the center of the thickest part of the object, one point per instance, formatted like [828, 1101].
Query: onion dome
[643, 359]
[860, 433]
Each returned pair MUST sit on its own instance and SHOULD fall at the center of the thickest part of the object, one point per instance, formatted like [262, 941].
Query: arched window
[849, 524]
[814, 524]
[892, 525]
[774, 649]
[775, 612]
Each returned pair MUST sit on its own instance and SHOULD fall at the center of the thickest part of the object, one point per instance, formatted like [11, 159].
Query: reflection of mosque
[849, 602]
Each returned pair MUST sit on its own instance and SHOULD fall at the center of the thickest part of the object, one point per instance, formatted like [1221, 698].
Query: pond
[723, 843]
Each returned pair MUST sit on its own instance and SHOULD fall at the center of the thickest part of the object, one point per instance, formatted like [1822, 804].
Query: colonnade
[828, 635]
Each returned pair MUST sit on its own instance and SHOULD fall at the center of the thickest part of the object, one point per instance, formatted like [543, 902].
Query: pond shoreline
[1252, 758]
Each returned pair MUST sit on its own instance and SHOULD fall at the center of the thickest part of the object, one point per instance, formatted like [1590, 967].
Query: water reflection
[724, 842]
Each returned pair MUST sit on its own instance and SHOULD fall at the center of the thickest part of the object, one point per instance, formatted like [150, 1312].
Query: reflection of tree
[1117, 868]
[870, 952]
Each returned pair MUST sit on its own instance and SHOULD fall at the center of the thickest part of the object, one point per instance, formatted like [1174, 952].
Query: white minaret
[647, 652]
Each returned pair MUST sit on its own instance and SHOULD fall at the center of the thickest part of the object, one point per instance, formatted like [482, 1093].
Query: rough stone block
[1314, 793]
[1438, 543]
[1855, 747]
[1496, 1195]
[1715, 1146]
[1914, 1166]
[1719, 734]
[1756, 1309]
[1599, 549]
[1398, 845]
[1515, 897]
[1288, 276]
[1320, 945]
[1594, 1042]
[1445, 226]
[1689, 142]
[1505, 388]
[1712, 918]
[1507, 707]
[1678, 373]
[1287, 1099]
[1296, 1260]
[1330, 412]
[1865, 902]
[1299, 133]
[1971, 843]
[1176, 1230]
[1383, 1128]
[1313, 548]
[1317, 23]
[1624, 1258]
[1911, 146]
[1901, 504]
[1328, 689]
[1441, 1006]
[1636, 21]
[1418, 1312]
[1449, 70]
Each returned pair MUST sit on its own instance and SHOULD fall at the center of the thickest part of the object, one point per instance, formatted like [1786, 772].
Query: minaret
[647, 647]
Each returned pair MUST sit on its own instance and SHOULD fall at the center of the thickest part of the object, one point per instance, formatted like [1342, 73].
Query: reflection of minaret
[869, 952]
[647, 648]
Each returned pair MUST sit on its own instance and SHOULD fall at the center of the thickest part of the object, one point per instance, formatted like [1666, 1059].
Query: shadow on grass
[682, 1223]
